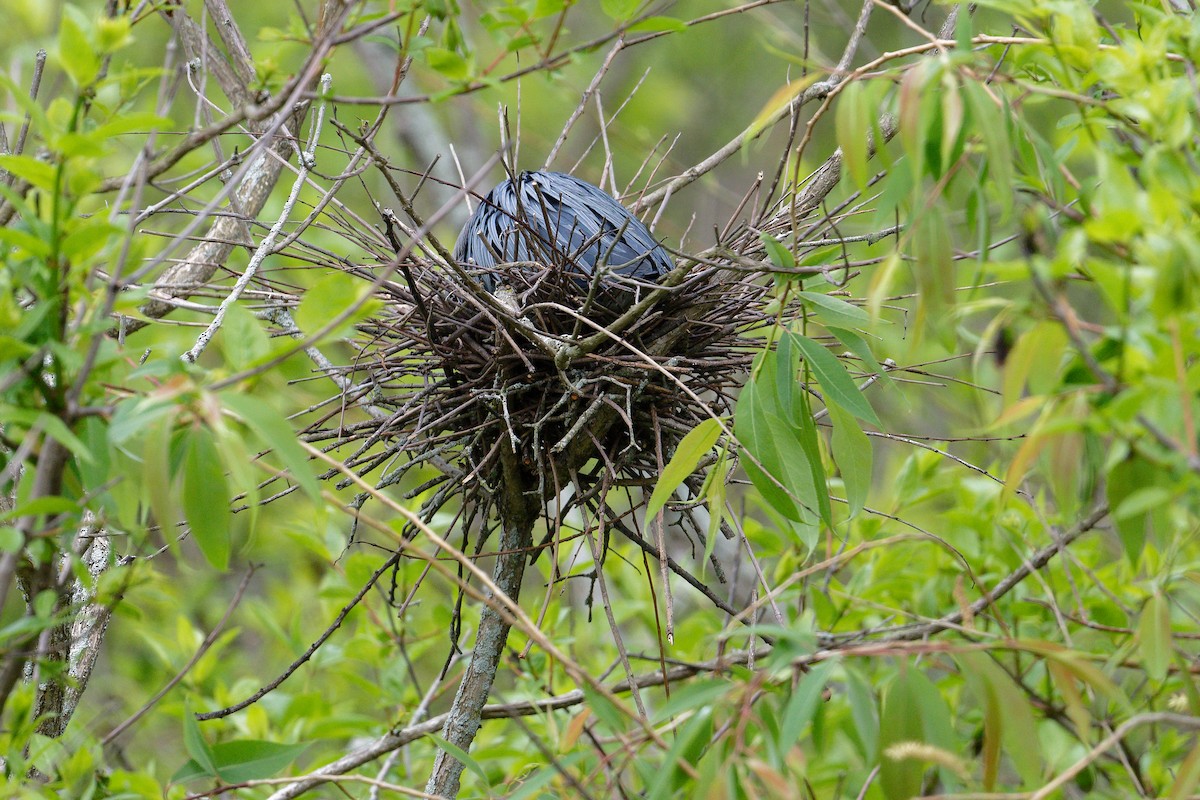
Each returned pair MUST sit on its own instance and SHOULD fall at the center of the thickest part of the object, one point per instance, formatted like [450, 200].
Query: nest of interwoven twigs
[591, 384]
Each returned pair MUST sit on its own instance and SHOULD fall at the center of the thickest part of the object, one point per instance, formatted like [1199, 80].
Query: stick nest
[591, 384]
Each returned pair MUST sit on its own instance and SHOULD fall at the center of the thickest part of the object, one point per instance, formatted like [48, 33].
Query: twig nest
[573, 355]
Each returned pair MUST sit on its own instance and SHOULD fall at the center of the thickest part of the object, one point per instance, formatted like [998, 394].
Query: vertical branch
[518, 511]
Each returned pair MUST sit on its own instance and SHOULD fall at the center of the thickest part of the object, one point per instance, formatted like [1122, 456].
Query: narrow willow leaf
[1077, 711]
[778, 102]
[852, 454]
[912, 129]
[58, 430]
[1154, 636]
[574, 730]
[1008, 719]
[789, 465]
[856, 344]
[715, 496]
[276, 434]
[605, 710]
[243, 760]
[852, 121]
[1034, 361]
[657, 24]
[779, 255]
[1187, 776]
[197, 748]
[156, 473]
[835, 311]
[243, 480]
[933, 265]
[752, 427]
[864, 711]
[1125, 478]
[881, 283]
[900, 722]
[691, 449]
[462, 756]
[688, 698]
[802, 705]
[690, 742]
[937, 725]
[75, 52]
[810, 442]
[206, 497]
[783, 364]
[952, 119]
[835, 381]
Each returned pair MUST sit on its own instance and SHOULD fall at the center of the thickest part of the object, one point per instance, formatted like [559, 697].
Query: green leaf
[1154, 636]
[933, 252]
[691, 449]
[714, 492]
[206, 497]
[1126, 478]
[156, 476]
[809, 441]
[243, 478]
[689, 744]
[448, 63]
[113, 33]
[900, 722]
[852, 454]
[58, 430]
[244, 760]
[243, 340]
[858, 345]
[991, 125]
[657, 24]
[779, 255]
[835, 311]
[692, 697]
[835, 381]
[620, 10]
[32, 245]
[864, 712]
[131, 122]
[803, 704]
[89, 238]
[936, 724]
[531, 785]
[41, 506]
[38, 173]
[604, 709]
[463, 757]
[1035, 360]
[852, 121]
[1187, 776]
[19, 95]
[11, 539]
[330, 298]
[197, 748]
[782, 364]
[769, 441]
[75, 51]
[1008, 720]
[277, 434]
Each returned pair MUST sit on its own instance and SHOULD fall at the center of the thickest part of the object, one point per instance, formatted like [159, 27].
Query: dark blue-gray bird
[560, 223]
